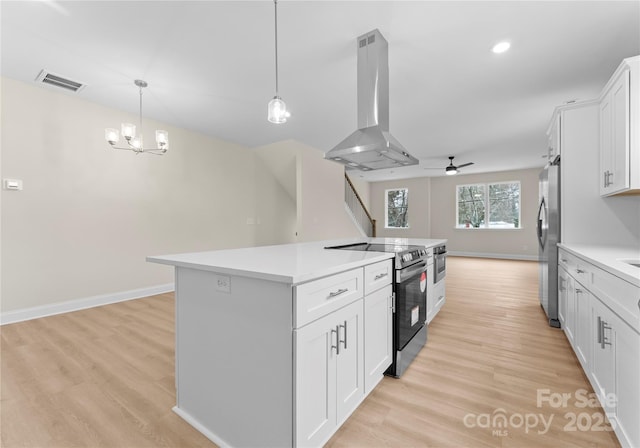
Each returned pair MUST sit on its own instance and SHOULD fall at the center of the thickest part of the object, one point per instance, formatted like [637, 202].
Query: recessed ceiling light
[501, 47]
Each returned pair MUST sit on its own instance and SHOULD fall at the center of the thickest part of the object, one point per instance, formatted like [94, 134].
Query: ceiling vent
[52, 79]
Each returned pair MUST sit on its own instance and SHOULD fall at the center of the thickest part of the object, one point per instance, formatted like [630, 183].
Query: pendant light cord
[275, 4]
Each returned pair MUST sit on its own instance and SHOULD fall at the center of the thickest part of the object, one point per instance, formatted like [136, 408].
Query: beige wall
[320, 200]
[419, 206]
[517, 243]
[89, 215]
[315, 187]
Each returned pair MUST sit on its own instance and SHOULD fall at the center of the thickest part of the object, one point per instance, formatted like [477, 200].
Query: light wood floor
[104, 377]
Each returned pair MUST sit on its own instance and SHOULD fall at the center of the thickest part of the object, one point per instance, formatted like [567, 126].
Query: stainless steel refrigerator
[548, 239]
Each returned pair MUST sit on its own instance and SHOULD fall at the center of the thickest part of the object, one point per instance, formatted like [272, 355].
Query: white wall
[88, 215]
[588, 218]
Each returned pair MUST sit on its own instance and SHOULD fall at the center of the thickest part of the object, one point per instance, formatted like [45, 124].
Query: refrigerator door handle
[540, 210]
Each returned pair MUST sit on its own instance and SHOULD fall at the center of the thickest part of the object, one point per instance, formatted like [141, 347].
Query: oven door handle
[404, 274]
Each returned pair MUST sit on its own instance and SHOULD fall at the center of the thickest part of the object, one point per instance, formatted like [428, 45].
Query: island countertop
[287, 263]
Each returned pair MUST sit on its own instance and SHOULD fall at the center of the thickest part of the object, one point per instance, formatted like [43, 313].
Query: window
[499, 201]
[397, 205]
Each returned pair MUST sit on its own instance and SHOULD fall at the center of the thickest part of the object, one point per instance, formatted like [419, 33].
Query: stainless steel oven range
[410, 293]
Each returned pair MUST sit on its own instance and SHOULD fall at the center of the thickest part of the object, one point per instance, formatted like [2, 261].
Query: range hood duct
[372, 147]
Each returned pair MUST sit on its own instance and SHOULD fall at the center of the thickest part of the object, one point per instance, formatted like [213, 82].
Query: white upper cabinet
[619, 127]
[553, 148]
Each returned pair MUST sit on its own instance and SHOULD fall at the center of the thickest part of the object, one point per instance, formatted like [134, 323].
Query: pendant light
[277, 109]
[134, 143]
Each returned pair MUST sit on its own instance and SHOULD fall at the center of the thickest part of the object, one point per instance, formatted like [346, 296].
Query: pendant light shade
[277, 109]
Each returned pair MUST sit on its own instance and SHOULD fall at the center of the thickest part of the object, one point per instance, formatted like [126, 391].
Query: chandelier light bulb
[128, 130]
[112, 135]
[162, 139]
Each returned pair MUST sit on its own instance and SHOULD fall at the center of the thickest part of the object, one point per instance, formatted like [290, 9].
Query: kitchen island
[270, 341]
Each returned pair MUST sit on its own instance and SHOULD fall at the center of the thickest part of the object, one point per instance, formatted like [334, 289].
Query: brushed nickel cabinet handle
[379, 276]
[338, 292]
[337, 346]
[579, 271]
[344, 326]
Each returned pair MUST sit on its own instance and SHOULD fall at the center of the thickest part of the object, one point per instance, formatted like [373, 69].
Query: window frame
[386, 208]
[487, 206]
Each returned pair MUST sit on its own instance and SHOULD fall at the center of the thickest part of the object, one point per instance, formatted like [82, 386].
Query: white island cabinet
[272, 346]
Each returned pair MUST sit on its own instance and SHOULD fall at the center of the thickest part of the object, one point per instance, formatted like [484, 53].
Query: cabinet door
[554, 140]
[431, 299]
[627, 369]
[562, 296]
[615, 137]
[378, 336]
[606, 152]
[349, 360]
[603, 355]
[315, 381]
[619, 179]
[582, 331]
[570, 317]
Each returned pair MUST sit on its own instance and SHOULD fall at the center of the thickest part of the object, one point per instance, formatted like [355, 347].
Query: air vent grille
[52, 79]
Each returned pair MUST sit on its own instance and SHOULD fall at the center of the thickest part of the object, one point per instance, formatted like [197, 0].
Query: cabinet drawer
[575, 267]
[377, 275]
[622, 297]
[319, 297]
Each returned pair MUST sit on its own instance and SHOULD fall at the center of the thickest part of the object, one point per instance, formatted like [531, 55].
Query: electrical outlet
[223, 284]
[13, 184]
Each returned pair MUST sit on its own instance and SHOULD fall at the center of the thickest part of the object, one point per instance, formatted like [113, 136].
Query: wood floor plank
[104, 377]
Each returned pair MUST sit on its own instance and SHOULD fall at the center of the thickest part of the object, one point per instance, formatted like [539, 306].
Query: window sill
[489, 228]
[396, 228]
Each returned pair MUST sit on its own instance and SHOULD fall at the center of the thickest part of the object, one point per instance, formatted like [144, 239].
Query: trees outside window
[397, 207]
[489, 206]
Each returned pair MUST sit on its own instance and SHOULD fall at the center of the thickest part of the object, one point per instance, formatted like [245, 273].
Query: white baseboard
[488, 255]
[200, 427]
[36, 312]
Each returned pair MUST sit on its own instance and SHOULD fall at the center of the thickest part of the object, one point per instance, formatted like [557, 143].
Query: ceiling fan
[451, 169]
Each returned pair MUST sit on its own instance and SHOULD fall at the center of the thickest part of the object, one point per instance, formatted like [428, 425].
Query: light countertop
[287, 263]
[609, 259]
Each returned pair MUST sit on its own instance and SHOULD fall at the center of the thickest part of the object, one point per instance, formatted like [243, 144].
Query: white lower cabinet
[582, 333]
[437, 302]
[615, 372]
[570, 309]
[562, 296]
[378, 335]
[328, 374]
[606, 344]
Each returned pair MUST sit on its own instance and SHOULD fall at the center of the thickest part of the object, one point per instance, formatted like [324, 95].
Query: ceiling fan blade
[465, 164]
[431, 168]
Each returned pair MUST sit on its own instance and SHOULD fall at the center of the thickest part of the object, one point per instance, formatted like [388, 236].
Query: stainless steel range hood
[372, 147]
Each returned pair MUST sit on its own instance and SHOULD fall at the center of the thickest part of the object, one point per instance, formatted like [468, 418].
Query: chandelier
[135, 143]
[277, 109]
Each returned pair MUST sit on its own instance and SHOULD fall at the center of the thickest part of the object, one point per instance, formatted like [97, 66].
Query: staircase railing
[358, 210]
